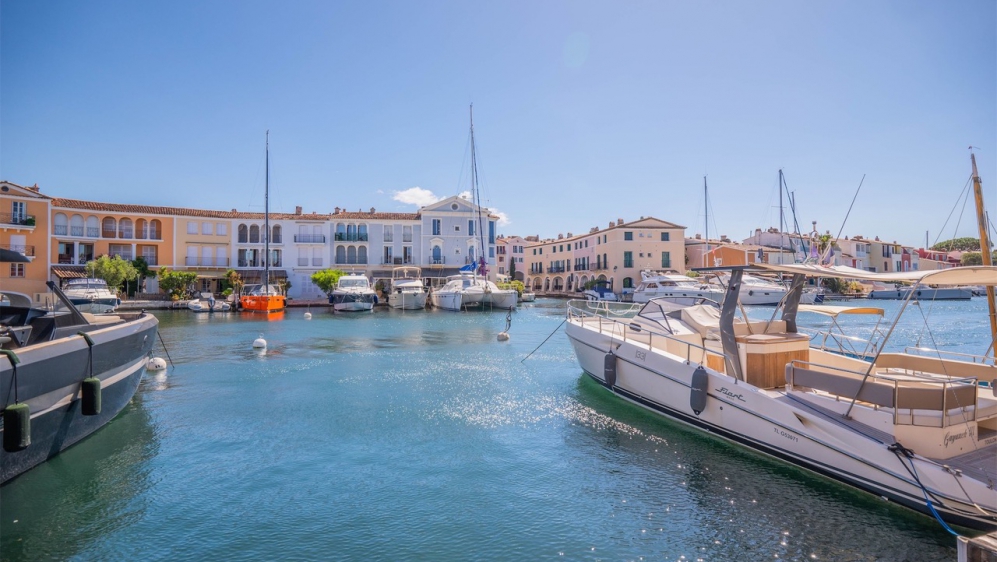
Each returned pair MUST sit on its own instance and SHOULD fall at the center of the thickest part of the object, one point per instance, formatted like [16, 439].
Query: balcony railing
[60, 230]
[26, 250]
[18, 219]
[108, 233]
[340, 237]
[93, 232]
[396, 261]
[309, 238]
[354, 261]
[438, 261]
[557, 269]
[258, 263]
[406, 238]
[200, 261]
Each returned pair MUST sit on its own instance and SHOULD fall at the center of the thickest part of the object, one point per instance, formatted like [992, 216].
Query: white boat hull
[927, 293]
[767, 422]
[408, 300]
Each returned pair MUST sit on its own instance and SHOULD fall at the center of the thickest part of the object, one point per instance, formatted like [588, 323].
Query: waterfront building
[24, 220]
[854, 253]
[616, 255]
[509, 256]
[449, 234]
[722, 252]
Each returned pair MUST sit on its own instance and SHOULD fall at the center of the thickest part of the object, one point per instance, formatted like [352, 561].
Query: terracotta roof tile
[204, 213]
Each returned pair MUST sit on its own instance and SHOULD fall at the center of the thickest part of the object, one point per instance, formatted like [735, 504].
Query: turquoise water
[417, 436]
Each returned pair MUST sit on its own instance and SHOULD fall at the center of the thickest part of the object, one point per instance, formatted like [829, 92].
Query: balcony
[309, 238]
[28, 251]
[60, 230]
[396, 261]
[555, 269]
[19, 219]
[438, 261]
[354, 261]
[341, 237]
[108, 233]
[197, 261]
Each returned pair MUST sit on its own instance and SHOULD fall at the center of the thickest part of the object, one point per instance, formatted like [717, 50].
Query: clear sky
[584, 112]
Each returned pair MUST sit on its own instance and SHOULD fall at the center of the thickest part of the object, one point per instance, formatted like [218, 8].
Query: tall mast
[266, 224]
[984, 247]
[782, 242]
[706, 205]
[476, 198]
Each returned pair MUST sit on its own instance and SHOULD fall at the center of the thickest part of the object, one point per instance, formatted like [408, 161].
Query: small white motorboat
[208, 303]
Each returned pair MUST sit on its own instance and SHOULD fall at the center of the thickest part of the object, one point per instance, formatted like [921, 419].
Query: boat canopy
[835, 311]
[969, 275]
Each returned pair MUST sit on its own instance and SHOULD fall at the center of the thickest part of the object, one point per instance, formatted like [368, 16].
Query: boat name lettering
[642, 355]
[785, 434]
[952, 438]
[730, 394]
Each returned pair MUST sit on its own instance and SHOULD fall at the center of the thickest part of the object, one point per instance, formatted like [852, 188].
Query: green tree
[972, 258]
[515, 284]
[961, 244]
[327, 279]
[234, 281]
[142, 267]
[113, 270]
[512, 268]
[176, 283]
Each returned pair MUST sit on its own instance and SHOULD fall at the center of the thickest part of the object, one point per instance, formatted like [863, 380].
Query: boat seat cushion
[706, 320]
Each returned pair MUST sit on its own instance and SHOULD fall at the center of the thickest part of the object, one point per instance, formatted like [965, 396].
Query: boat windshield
[258, 290]
[352, 283]
[84, 283]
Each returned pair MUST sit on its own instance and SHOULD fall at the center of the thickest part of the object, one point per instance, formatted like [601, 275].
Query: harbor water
[418, 436]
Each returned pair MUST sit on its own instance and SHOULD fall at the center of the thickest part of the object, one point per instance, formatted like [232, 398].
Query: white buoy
[308, 316]
[156, 364]
[503, 336]
[260, 343]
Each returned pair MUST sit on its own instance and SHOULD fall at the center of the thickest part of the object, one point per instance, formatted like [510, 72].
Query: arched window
[362, 254]
[243, 234]
[155, 230]
[109, 228]
[125, 228]
[141, 229]
[340, 254]
[351, 232]
[276, 234]
[437, 254]
[470, 253]
[628, 283]
[254, 234]
[76, 225]
[93, 227]
[60, 225]
[351, 255]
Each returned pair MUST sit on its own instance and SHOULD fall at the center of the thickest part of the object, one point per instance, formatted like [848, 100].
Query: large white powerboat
[902, 292]
[918, 427]
[469, 290]
[353, 293]
[407, 289]
[92, 295]
[674, 287]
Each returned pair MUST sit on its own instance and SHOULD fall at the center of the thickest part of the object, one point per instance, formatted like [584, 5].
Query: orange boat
[264, 297]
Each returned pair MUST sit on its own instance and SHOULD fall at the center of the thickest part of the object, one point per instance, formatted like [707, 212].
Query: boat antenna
[266, 223]
[984, 244]
[476, 199]
[706, 207]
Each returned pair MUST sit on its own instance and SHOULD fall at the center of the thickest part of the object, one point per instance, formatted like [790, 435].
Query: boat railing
[842, 344]
[910, 397]
[942, 354]
[614, 319]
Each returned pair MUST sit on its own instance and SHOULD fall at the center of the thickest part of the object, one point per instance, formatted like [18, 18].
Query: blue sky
[584, 112]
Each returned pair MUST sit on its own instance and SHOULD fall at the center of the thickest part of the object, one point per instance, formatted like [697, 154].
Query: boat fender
[260, 343]
[698, 394]
[90, 393]
[308, 316]
[16, 428]
[156, 364]
[609, 369]
[751, 293]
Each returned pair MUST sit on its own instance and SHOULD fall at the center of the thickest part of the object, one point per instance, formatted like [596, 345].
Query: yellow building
[24, 223]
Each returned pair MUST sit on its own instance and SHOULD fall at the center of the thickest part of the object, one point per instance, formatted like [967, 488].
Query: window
[628, 283]
[406, 234]
[122, 250]
[17, 270]
[254, 234]
[664, 237]
[191, 227]
[276, 238]
[221, 229]
[243, 234]
[406, 254]
[109, 228]
[389, 234]
[628, 259]
[60, 226]
[628, 235]
[125, 228]
[207, 228]
[666, 259]
[19, 214]
[491, 232]
[437, 227]
[456, 228]
[470, 228]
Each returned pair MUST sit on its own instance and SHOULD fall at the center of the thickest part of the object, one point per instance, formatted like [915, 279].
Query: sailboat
[471, 288]
[265, 297]
[917, 427]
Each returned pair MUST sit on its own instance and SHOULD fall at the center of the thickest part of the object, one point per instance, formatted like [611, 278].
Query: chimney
[297, 210]
[723, 238]
[560, 236]
[699, 236]
[336, 212]
[372, 210]
[234, 211]
[619, 222]
[569, 235]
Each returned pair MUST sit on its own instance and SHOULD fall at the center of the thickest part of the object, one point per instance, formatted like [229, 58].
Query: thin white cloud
[503, 218]
[416, 196]
[465, 195]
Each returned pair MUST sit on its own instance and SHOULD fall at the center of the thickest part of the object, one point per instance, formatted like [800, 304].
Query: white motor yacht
[353, 293]
[676, 288]
[600, 291]
[469, 290]
[901, 292]
[917, 427]
[407, 289]
[91, 295]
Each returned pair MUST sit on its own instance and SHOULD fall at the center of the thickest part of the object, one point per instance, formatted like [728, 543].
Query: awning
[69, 271]
[12, 256]
[970, 275]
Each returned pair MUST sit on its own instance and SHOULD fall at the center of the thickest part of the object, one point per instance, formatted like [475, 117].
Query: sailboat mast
[266, 223]
[984, 247]
[706, 206]
[782, 239]
[476, 198]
